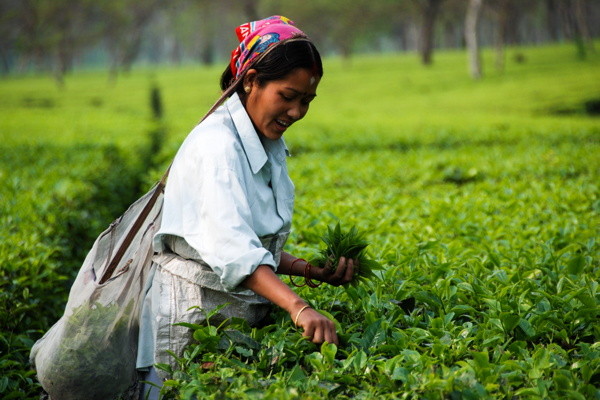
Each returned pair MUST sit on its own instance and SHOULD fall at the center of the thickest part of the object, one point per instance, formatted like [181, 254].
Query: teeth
[286, 124]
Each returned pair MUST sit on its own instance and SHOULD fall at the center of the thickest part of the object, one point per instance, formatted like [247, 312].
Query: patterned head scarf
[257, 37]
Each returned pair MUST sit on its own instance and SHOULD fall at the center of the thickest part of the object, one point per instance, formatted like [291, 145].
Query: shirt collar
[253, 147]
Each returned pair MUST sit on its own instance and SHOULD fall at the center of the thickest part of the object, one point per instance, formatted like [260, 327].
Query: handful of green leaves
[349, 244]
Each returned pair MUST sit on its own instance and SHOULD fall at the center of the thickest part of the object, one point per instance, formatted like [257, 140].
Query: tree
[54, 34]
[339, 25]
[451, 21]
[47, 33]
[553, 19]
[507, 16]
[8, 33]
[75, 26]
[32, 38]
[471, 37]
[123, 30]
[579, 26]
[357, 20]
[250, 8]
[429, 12]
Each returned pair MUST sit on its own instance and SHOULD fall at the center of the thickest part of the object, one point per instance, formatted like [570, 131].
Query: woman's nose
[297, 111]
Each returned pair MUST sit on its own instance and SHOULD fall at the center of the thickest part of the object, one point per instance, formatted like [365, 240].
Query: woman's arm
[317, 327]
[290, 265]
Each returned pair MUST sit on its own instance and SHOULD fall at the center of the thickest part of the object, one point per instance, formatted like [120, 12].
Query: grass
[480, 198]
[383, 98]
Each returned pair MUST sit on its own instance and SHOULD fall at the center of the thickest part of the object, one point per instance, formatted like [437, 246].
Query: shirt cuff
[236, 271]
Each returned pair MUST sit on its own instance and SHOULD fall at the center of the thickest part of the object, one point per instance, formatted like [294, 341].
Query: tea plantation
[480, 199]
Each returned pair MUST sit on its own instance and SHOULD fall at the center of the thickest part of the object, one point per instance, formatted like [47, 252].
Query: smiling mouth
[283, 123]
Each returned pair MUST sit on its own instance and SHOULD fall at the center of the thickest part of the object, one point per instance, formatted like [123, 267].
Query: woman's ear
[250, 80]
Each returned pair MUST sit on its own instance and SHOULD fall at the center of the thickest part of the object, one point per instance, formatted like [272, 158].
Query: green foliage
[58, 193]
[351, 244]
[481, 204]
[94, 351]
[57, 201]
[478, 198]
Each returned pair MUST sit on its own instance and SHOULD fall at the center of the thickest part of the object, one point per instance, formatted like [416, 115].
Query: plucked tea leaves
[351, 244]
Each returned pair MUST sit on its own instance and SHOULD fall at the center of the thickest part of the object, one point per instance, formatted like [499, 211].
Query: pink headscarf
[258, 36]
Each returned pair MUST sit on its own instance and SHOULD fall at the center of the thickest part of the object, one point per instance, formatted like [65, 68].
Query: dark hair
[279, 62]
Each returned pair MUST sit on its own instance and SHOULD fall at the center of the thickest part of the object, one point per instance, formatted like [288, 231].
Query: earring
[247, 89]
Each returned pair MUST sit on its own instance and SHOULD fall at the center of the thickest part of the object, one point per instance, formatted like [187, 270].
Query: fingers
[317, 327]
[349, 270]
[322, 333]
[344, 272]
[340, 272]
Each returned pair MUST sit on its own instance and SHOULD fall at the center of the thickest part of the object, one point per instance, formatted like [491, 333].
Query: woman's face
[276, 105]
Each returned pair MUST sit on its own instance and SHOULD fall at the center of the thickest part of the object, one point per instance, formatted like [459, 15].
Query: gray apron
[182, 288]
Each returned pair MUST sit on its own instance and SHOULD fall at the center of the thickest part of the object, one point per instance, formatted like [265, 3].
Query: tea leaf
[576, 264]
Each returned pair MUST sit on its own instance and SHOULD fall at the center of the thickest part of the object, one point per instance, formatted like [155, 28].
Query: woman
[228, 202]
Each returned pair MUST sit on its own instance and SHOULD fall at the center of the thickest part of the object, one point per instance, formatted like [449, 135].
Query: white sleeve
[209, 198]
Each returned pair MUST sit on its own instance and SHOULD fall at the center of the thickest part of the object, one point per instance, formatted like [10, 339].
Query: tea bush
[490, 288]
[71, 161]
[480, 199]
[482, 205]
[55, 202]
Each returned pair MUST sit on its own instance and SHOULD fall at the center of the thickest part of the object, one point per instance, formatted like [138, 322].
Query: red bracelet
[291, 270]
[307, 280]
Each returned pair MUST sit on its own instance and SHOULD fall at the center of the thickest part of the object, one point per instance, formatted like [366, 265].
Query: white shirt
[228, 186]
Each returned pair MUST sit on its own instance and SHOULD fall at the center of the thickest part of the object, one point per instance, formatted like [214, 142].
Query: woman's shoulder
[215, 132]
[214, 138]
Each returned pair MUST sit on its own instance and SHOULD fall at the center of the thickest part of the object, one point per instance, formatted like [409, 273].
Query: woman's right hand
[341, 275]
[317, 327]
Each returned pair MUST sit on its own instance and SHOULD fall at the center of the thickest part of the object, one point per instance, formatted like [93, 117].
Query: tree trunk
[63, 63]
[131, 50]
[251, 9]
[430, 11]
[511, 23]
[471, 22]
[4, 60]
[207, 55]
[346, 49]
[553, 20]
[502, 16]
[582, 31]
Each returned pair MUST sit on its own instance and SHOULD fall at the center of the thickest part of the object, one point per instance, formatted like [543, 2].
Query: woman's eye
[287, 98]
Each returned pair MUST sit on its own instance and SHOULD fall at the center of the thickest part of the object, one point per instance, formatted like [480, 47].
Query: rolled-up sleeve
[222, 228]
[225, 192]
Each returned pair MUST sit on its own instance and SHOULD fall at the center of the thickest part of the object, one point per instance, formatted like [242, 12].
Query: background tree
[9, 32]
[506, 16]
[250, 8]
[553, 24]
[575, 13]
[429, 10]
[74, 25]
[56, 35]
[471, 37]
[125, 21]
[28, 25]
[450, 24]
[49, 33]
[338, 26]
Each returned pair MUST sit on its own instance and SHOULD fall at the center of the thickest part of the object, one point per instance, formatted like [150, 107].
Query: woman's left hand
[343, 274]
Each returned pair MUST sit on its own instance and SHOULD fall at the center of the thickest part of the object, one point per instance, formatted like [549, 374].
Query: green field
[480, 198]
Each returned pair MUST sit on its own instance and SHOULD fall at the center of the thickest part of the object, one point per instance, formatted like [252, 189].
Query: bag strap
[158, 189]
[139, 221]
[160, 186]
